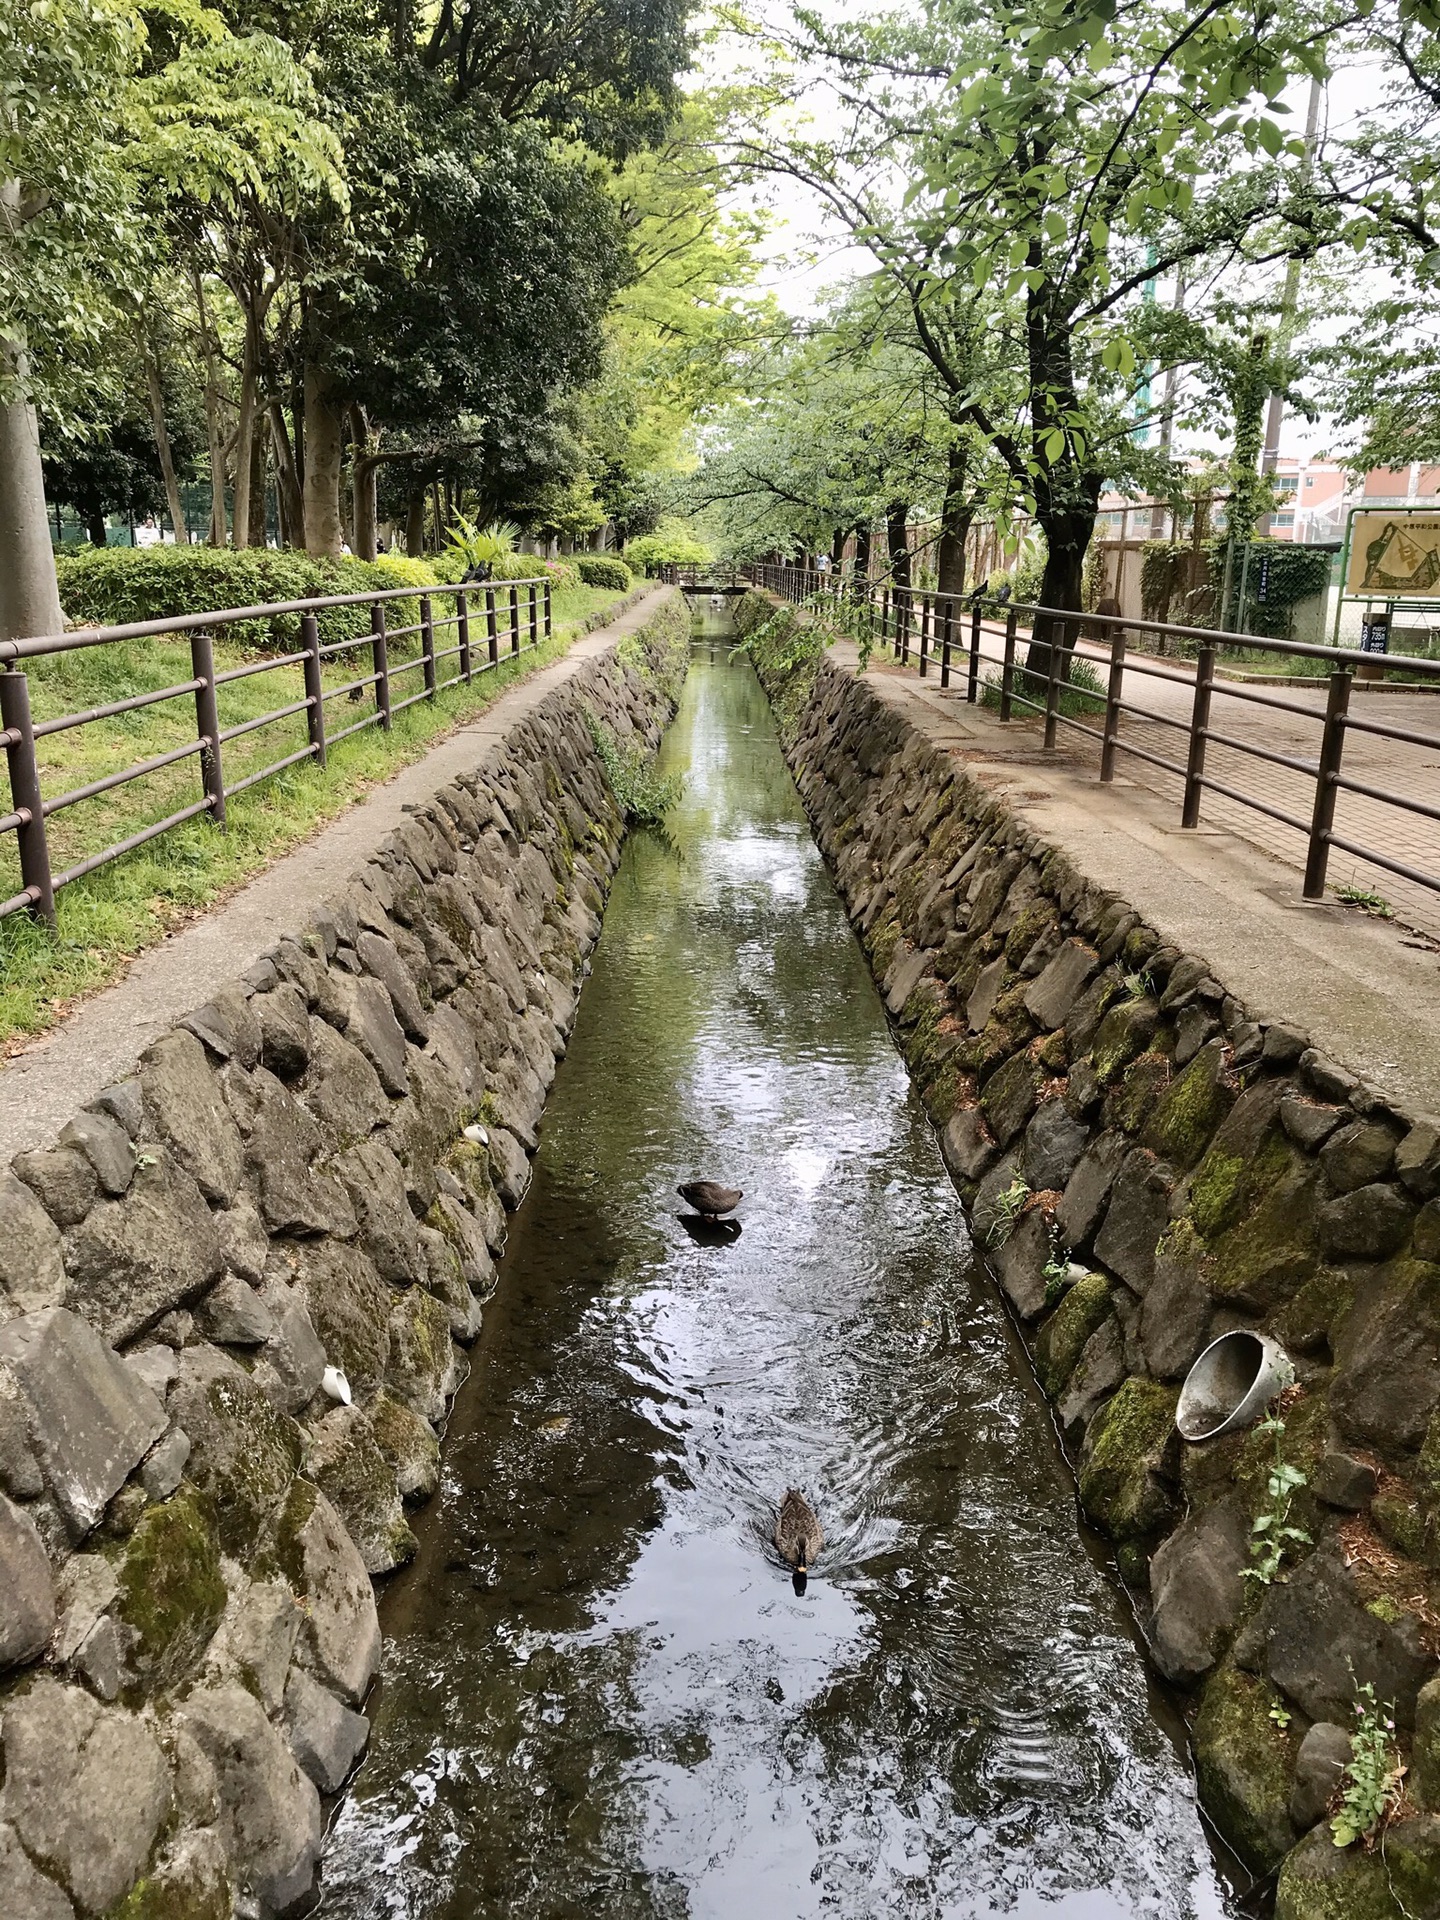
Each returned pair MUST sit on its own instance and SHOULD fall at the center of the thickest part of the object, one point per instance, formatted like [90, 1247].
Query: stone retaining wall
[308, 1178]
[1145, 1166]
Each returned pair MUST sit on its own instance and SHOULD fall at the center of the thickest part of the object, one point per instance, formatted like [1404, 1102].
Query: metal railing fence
[488, 622]
[939, 629]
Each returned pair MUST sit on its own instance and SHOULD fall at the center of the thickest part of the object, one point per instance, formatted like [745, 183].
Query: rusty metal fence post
[492, 627]
[514, 620]
[534, 615]
[462, 634]
[927, 618]
[207, 723]
[314, 689]
[427, 644]
[1007, 667]
[1199, 736]
[380, 663]
[549, 611]
[1332, 749]
[946, 623]
[1114, 687]
[25, 794]
[1056, 656]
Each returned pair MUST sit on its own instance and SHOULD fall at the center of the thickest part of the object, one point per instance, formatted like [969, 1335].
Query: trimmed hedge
[603, 570]
[112, 586]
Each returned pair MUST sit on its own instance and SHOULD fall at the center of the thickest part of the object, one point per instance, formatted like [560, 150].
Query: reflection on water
[601, 1694]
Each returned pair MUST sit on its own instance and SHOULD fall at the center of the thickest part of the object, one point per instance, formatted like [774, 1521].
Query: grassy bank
[113, 914]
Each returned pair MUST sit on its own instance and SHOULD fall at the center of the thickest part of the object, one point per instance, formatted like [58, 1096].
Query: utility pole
[1289, 300]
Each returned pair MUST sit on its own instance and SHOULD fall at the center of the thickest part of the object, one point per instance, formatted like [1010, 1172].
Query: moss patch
[1320, 1882]
[1245, 1764]
[1062, 1338]
[1315, 1314]
[1228, 1183]
[1270, 1253]
[1118, 1485]
[1193, 1106]
[1125, 1032]
[171, 1590]
[1143, 1084]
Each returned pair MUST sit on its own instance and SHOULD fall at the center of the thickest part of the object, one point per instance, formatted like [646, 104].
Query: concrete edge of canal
[1147, 1166]
[235, 1294]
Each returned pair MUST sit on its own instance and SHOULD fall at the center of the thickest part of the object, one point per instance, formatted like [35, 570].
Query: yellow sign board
[1395, 556]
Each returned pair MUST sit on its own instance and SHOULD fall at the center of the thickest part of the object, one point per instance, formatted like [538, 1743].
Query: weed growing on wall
[1008, 1209]
[1370, 1784]
[644, 795]
[1271, 1535]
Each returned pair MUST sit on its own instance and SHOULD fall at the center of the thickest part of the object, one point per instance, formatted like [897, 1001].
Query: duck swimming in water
[798, 1535]
[709, 1199]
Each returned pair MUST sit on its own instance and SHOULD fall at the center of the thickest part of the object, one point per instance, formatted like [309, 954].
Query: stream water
[601, 1694]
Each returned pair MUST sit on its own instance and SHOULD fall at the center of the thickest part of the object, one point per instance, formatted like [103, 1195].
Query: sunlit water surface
[601, 1695]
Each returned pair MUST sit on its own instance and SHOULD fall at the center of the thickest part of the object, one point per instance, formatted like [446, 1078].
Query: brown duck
[709, 1199]
[798, 1535]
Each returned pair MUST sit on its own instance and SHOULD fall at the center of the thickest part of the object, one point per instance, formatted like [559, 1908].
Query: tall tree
[1060, 157]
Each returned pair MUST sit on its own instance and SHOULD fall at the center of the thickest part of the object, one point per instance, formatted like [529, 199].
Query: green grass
[109, 916]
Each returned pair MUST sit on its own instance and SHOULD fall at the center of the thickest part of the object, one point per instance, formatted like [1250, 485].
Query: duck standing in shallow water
[709, 1199]
[798, 1535]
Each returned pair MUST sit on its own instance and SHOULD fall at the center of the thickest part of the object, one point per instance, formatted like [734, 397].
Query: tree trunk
[95, 526]
[415, 524]
[955, 518]
[215, 438]
[245, 438]
[259, 532]
[29, 598]
[1067, 536]
[837, 547]
[897, 519]
[322, 465]
[862, 552]
[164, 451]
[435, 492]
[363, 477]
[287, 480]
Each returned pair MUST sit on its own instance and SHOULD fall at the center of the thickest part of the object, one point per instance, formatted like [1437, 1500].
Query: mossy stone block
[1270, 1252]
[172, 1593]
[1191, 1109]
[1125, 1032]
[1320, 1881]
[1119, 1486]
[1062, 1338]
[1245, 1764]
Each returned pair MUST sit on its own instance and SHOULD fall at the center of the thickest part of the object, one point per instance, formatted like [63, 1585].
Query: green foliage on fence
[603, 570]
[113, 586]
[1293, 574]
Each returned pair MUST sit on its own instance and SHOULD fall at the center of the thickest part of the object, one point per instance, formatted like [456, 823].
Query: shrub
[113, 586]
[671, 543]
[603, 570]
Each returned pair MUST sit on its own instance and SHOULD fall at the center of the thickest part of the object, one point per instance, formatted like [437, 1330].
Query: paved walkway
[43, 1086]
[1393, 766]
[1366, 990]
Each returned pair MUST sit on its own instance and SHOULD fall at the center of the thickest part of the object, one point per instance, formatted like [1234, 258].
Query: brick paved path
[1389, 765]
